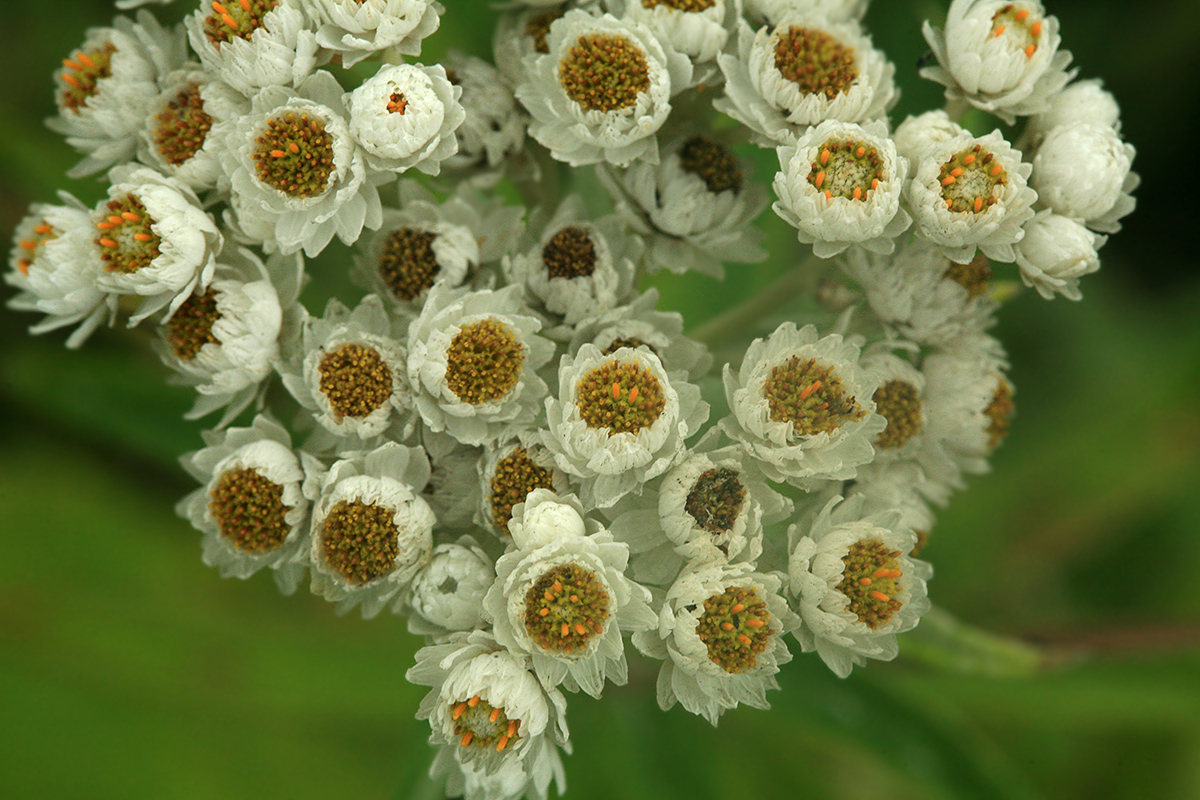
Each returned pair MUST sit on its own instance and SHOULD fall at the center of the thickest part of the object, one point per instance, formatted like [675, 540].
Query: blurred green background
[129, 670]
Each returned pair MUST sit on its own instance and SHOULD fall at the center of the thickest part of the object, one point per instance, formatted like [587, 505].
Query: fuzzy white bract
[1056, 252]
[1083, 171]
[355, 30]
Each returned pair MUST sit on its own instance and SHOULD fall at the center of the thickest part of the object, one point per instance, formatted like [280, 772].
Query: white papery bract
[155, 240]
[296, 174]
[618, 130]
[274, 49]
[453, 488]
[639, 325]
[107, 86]
[405, 118]
[777, 107]
[697, 32]
[1000, 56]
[183, 134]
[836, 198]
[776, 438]
[1082, 101]
[1055, 253]
[55, 266]
[916, 134]
[494, 128]
[348, 370]
[982, 207]
[696, 206]
[969, 400]
[920, 294]
[251, 508]
[571, 567]
[612, 460]
[836, 10]
[573, 265]
[356, 30]
[833, 555]
[224, 341]
[371, 529]
[473, 359]
[471, 676]
[447, 594]
[1083, 171]
[709, 678]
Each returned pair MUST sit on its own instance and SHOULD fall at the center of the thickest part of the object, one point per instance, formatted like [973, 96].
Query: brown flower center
[516, 476]
[716, 499]
[570, 253]
[408, 264]
[899, 403]
[359, 541]
[810, 396]
[1000, 412]
[869, 578]
[538, 28]
[565, 608]
[240, 18]
[127, 241]
[815, 61]
[973, 277]
[735, 627]
[681, 5]
[603, 72]
[294, 155]
[182, 127]
[190, 327]
[622, 397]
[249, 510]
[84, 71]
[355, 380]
[484, 361]
[711, 162]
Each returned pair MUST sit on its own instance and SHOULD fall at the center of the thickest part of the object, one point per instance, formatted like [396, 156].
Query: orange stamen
[132, 217]
[807, 391]
[69, 64]
[458, 711]
[503, 743]
[85, 59]
[755, 623]
[996, 170]
[858, 193]
[1022, 14]
[44, 230]
[744, 639]
[1030, 50]
[969, 158]
[878, 595]
[875, 183]
[107, 243]
[512, 727]
[739, 608]
[228, 20]
[474, 701]
[999, 30]
[824, 157]
[574, 598]
[557, 586]
[467, 737]
[277, 154]
[726, 626]
[27, 245]
[69, 78]
[949, 179]
[633, 393]
[295, 148]
[566, 629]
[143, 237]
[956, 171]
[494, 715]
[820, 179]
[220, 9]
[978, 205]
[828, 195]
[105, 226]
[543, 612]
[579, 629]
[616, 391]
[245, 4]
[1035, 28]
[864, 581]
[860, 152]
[114, 219]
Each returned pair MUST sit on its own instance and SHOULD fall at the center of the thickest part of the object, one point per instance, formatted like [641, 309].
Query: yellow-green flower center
[127, 241]
[899, 403]
[716, 499]
[690, 6]
[846, 168]
[570, 253]
[565, 608]
[355, 380]
[604, 72]
[408, 264]
[622, 397]
[1020, 27]
[240, 18]
[711, 162]
[516, 476]
[631, 342]
[973, 277]
[969, 180]
[539, 26]
[999, 413]
[810, 396]
[190, 327]
[42, 233]
[484, 361]
[183, 126]
[294, 154]
[869, 576]
[359, 540]
[83, 73]
[815, 61]
[249, 510]
[735, 627]
[477, 723]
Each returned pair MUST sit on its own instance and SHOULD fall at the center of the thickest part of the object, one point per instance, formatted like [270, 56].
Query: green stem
[944, 642]
[796, 282]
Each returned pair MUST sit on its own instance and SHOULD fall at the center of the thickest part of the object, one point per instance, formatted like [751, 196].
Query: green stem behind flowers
[943, 642]
[747, 315]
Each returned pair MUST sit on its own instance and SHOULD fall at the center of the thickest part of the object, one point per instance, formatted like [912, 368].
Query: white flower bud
[1080, 170]
[1082, 101]
[1055, 253]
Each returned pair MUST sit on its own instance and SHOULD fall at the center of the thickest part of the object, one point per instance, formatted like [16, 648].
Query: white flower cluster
[502, 438]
